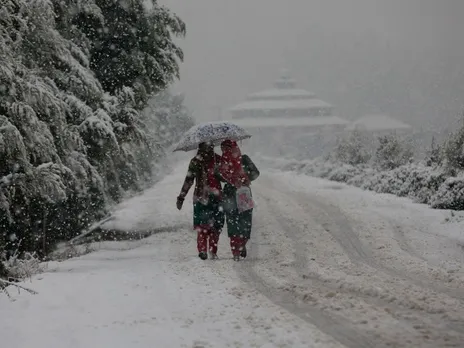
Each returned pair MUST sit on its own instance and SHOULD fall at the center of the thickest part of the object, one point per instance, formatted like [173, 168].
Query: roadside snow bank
[155, 209]
[422, 184]
[138, 217]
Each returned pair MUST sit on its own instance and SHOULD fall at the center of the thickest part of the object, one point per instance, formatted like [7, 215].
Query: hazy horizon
[364, 56]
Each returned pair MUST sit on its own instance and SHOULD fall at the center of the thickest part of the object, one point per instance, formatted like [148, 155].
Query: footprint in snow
[199, 344]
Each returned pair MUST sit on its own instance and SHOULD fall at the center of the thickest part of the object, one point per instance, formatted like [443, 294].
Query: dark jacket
[197, 173]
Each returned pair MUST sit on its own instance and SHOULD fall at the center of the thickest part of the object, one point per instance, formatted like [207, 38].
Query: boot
[236, 257]
[243, 252]
[213, 256]
[203, 255]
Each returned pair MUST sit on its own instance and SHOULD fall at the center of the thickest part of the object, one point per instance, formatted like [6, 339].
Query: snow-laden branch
[5, 283]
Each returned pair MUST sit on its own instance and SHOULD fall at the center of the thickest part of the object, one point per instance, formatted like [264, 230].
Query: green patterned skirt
[210, 214]
[239, 224]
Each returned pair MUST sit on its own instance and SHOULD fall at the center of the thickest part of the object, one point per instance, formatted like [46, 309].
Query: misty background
[402, 58]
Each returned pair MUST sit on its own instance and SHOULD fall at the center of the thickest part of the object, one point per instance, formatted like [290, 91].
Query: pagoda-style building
[285, 119]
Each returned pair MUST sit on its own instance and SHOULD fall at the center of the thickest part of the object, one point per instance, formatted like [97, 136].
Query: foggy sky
[400, 57]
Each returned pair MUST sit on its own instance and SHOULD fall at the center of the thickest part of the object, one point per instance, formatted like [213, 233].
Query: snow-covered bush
[393, 172]
[387, 182]
[345, 173]
[354, 149]
[25, 267]
[392, 153]
[365, 174]
[422, 182]
[417, 181]
[450, 194]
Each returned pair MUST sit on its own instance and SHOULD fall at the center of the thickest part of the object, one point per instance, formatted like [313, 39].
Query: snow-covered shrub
[422, 182]
[319, 168]
[416, 181]
[412, 180]
[450, 194]
[354, 149]
[391, 153]
[346, 173]
[365, 173]
[386, 182]
[25, 267]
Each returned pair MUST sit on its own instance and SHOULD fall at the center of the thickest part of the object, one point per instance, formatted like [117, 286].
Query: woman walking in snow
[208, 215]
[237, 171]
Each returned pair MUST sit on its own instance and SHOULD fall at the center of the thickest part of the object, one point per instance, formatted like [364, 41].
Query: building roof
[269, 104]
[377, 123]
[284, 96]
[283, 122]
[279, 94]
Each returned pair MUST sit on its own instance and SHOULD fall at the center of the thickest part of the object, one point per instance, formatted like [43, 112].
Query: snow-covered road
[368, 270]
[329, 266]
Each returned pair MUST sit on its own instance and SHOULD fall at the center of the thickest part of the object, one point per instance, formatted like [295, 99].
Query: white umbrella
[212, 132]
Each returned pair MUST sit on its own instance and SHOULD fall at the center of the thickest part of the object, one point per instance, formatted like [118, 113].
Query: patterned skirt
[211, 214]
[239, 224]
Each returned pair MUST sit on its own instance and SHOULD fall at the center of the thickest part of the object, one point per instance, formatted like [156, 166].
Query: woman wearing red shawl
[237, 171]
[208, 215]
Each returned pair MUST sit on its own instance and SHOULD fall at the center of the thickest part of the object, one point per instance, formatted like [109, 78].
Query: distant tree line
[390, 151]
[386, 165]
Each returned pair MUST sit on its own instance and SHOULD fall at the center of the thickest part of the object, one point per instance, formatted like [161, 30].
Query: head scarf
[231, 168]
[205, 151]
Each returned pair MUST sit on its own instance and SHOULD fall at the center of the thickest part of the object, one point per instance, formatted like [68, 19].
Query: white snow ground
[330, 266]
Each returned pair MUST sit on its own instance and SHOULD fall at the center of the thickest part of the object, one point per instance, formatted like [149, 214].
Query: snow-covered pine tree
[434, 155]
[67, 146]
[453, 149]
[131, 44]
[133, 55]
[36, 183]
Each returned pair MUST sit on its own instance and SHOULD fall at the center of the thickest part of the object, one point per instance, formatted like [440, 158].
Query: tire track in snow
[340, 228]
[331, 325]
[398, 312]
[334, 221]
[401, 239]
[344, 234]
[398, 228]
